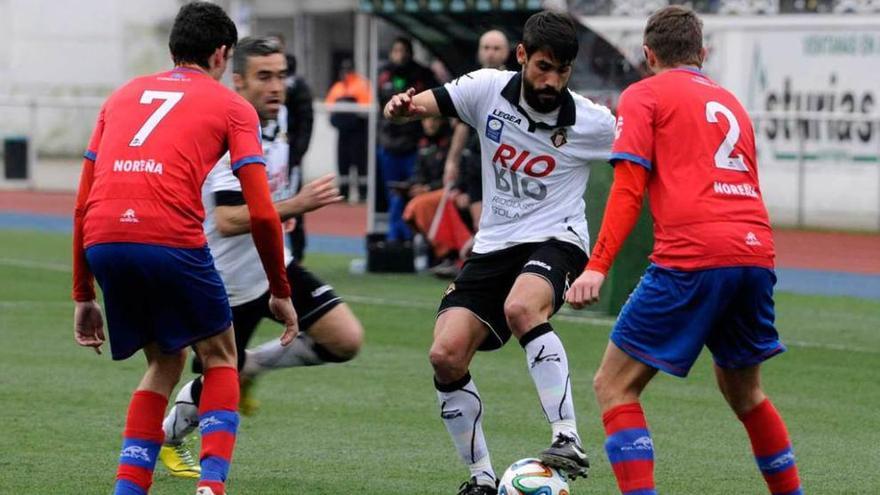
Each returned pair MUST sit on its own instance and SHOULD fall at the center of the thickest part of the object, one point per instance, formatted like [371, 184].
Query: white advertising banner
[811, 85]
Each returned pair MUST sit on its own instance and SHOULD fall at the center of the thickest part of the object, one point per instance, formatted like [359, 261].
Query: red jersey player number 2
[699, 146]
[723, 158]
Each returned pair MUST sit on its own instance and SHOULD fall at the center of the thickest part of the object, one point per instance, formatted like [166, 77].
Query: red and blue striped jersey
[698, 144]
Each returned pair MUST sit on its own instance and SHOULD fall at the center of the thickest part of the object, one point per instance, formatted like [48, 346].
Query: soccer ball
[531, 477]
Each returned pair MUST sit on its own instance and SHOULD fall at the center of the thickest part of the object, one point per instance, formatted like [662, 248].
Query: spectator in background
[449, 228]
[431, 210]
[351, 147]
[494, 50]
[463, 170]
[398, 143]
[433, 147]
[296, 117]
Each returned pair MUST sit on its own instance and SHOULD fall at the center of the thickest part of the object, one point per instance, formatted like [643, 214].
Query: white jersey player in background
[329, 332]
[536, 138]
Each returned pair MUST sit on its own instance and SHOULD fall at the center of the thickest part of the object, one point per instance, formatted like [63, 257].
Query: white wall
[53, 47]
[76, 49]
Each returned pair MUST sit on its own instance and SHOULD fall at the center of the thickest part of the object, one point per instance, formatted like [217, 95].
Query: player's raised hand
[317, 194]
[282, 308]
[401, 107]
[585, 290]
[88, 325]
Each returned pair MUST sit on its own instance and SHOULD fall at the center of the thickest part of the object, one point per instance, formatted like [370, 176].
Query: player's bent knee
[600, 387]
[339, 334]
[348, 343]
[520, 316]
[448, 364]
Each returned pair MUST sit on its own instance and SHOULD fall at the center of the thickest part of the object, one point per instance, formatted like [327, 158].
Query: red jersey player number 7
[145, 139]
[138, 231]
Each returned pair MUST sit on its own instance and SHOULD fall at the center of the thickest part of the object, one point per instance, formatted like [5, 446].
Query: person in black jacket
[300, 117]
[398, 144]
[297, 116]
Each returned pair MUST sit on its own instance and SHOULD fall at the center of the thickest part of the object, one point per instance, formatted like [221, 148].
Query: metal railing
[804, 150]
[644, 8]
[64, 134]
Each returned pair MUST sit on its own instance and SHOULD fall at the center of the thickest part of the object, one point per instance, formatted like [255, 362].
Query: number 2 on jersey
[722, 156]
[169, 99]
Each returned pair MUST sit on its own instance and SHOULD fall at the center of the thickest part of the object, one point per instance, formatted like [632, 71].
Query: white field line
[39, 265]
[404, 303]
[830, 347]
[399, 303]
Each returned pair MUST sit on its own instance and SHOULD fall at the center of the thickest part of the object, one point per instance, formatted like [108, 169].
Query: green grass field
[372, 426]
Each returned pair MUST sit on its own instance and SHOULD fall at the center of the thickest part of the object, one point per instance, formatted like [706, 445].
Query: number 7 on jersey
[169, 99]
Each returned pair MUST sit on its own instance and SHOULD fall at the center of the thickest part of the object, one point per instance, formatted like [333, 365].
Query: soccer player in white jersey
[329, 330]
[537, 138]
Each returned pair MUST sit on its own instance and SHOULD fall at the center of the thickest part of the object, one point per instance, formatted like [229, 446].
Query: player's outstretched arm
[408, 106]
[236, 220]
[621, 214]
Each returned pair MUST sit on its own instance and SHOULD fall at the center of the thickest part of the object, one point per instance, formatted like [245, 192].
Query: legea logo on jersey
[129, 217]
[493, 128]
[518, 173]
[619, 127]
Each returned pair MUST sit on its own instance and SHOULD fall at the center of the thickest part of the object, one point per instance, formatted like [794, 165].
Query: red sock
[630, 449]
[218, 422]
[772, 449]
[141, 441]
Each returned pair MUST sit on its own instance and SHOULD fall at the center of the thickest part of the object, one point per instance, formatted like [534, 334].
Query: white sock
[183, 418]
[565, 427]
[272, 355]
[548, 365]
[482, 470]
[462, 409]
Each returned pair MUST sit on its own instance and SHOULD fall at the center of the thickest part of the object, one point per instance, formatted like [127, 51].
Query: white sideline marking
[40, 265]
[832, 347]
[399, 303]
[402, 303]
[34, 304]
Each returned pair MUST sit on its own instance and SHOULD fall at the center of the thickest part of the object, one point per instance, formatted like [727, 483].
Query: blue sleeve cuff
[241, 162]
[632, 158]
[90, 155]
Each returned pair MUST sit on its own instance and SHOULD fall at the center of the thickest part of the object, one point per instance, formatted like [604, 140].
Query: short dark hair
[553, 32]
[253, 46]
[406, 42]
[199, 29]
[675, 35]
